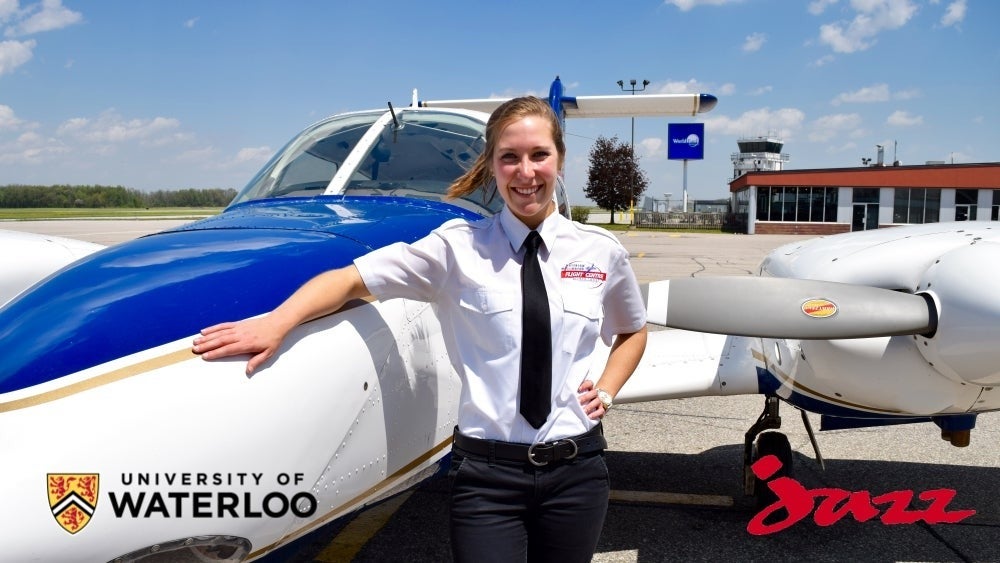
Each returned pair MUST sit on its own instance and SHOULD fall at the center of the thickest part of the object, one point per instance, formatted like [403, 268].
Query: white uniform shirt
[472, 273]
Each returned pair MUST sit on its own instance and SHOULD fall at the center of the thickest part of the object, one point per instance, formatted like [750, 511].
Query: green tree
[614, 180]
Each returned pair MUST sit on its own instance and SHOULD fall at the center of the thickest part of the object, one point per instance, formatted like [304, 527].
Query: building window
[916, 205]
[743, 201]
[793, 203]
[788, 204]
[865, 195]
[966, 202]
[996, 205]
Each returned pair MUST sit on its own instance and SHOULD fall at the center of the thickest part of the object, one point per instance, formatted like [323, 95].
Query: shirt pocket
[488, 319]
[582, 317]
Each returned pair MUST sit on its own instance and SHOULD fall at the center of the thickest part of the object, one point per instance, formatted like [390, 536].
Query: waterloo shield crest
[73, 499]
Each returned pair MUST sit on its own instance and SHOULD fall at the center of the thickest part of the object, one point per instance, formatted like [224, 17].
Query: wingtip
[706, 102]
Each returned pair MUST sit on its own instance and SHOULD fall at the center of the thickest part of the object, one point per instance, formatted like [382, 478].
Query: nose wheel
[759, 442]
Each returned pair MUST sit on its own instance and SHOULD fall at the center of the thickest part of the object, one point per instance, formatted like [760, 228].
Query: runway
[676, 465]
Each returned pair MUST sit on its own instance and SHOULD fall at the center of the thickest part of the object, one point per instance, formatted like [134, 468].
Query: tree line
[65, 196]
[615, 181]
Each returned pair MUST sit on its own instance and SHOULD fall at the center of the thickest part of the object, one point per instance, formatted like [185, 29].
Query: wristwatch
[605, 398]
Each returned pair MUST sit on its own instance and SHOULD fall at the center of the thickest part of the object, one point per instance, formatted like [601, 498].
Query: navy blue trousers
[508, 513]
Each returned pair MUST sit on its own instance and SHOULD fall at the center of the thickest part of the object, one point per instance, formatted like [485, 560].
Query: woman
[529, 480]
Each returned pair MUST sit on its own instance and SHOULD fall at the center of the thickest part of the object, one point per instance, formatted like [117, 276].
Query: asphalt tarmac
[676, 466]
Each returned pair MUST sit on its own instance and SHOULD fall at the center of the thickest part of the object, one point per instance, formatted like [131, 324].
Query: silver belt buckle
[531, 451]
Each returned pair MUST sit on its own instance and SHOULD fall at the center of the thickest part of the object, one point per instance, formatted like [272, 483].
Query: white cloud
[652, 147]
[824, 60]
[954, 14]
[783, 122]
[694, 87]
[14, 54]
[7, 9]
[30, 138]
[904, 119]
[819, 6]
[726, 89]
[110, 127]
[254, 155]
[873, 17]
[761, 91]
[7, 118]
[868, 94]
[190, 23]
[687, 5]
[754, 42]
[834, 126]
[46, 16]
[32, 149]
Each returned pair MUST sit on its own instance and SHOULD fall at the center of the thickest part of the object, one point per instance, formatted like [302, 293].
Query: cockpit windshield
[409, 153]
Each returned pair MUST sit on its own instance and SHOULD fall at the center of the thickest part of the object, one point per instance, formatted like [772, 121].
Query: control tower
[758, 154]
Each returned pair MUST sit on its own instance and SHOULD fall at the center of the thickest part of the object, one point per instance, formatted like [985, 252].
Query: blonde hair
[510, 111]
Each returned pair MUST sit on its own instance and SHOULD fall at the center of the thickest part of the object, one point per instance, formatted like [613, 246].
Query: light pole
[632, 88]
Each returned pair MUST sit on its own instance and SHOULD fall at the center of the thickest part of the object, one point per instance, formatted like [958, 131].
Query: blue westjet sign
[686, 141]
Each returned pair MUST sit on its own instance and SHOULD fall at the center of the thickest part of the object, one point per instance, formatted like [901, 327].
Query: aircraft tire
[776, 444]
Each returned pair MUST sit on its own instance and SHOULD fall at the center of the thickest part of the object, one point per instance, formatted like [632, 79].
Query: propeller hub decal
[819, 308]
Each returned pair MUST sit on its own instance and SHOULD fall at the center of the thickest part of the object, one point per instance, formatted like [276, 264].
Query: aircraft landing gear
[769, 419]
[770, 443]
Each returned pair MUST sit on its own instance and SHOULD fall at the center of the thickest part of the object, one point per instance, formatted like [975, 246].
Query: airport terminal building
[838, 200]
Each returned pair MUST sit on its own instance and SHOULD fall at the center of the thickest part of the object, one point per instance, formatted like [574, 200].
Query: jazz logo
[73, 499]
[828, 505]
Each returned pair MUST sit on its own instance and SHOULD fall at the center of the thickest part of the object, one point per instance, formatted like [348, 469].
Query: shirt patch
[585, 272]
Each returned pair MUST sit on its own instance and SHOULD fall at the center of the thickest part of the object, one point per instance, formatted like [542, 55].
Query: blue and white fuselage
[98, 377]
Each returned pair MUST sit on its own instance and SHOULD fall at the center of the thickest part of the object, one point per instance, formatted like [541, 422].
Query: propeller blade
[787, 308]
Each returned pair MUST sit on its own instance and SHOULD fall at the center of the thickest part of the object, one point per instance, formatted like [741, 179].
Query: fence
[679, 220]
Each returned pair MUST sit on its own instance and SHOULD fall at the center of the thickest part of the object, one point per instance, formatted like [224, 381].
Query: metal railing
[680, 220]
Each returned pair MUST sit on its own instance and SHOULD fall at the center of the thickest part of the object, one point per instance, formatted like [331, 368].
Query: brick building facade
[838, 200]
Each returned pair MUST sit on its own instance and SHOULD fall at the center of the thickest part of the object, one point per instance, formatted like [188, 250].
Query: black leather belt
[539, 454]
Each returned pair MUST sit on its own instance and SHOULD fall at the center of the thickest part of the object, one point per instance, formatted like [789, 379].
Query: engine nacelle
[964, 285]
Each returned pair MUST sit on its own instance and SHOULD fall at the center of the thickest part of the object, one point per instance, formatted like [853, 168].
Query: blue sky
[165, 94]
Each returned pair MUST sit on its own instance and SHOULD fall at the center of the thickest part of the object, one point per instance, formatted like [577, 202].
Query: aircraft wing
[639, 106]
[28, 258]
[602, 106]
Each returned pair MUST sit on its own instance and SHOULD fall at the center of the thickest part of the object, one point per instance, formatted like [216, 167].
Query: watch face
[605, 398]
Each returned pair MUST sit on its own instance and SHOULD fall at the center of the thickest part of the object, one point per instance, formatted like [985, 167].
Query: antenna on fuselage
[395, 122]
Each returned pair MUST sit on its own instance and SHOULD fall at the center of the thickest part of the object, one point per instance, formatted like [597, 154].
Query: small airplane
[144, 451]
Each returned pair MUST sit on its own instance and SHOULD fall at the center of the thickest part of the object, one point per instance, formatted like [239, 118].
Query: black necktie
[536, 338]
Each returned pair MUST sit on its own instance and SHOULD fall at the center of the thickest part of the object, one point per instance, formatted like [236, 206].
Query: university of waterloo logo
[73, 499]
